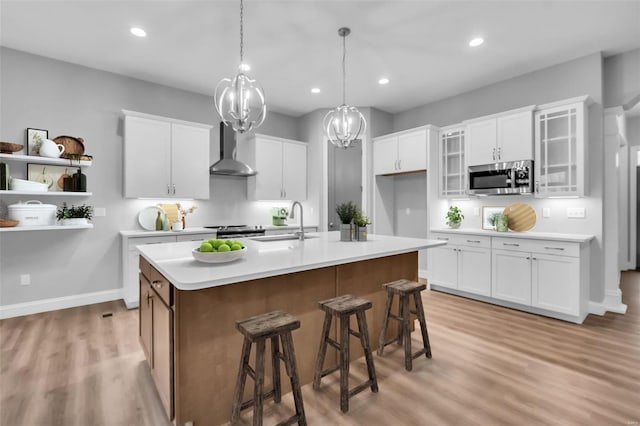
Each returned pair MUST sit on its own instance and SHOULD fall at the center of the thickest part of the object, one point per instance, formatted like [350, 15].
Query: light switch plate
[476, 211]
[546, 212]
[25, 279]
[576, 212]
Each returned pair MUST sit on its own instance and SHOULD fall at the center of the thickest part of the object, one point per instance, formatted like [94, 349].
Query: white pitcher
[51, 149]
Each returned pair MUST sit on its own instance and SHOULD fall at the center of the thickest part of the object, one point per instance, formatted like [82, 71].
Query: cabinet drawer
[513, 244]
[560, 248]
[463, 239]
[161, 286]
[195, 237]
[133, 242]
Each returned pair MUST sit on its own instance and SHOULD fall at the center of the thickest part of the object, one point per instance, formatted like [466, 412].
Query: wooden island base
[204, 346]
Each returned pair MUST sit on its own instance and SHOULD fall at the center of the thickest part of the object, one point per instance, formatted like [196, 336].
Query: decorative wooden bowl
[10, 148]
[8, 223]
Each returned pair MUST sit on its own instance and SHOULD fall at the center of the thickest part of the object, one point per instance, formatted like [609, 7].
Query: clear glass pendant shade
[343, 125]
[240, 102]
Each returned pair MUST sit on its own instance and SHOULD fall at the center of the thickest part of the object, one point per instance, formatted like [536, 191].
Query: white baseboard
[38, 306]
[597, 308]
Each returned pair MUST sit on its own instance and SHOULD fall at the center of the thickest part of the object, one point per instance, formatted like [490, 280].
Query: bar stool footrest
[360, 388]
[329, 371]
[250, 402]
[420, 353]
[290, 421]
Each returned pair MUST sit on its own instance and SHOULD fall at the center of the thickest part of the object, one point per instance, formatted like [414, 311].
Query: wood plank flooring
[490, 366]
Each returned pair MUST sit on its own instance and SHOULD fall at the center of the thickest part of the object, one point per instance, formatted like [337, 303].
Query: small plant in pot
[73, 215]
[454, 217]
[346, 212]
[361, 221]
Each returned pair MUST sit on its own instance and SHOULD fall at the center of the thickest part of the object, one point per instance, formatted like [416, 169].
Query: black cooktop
[237, 230]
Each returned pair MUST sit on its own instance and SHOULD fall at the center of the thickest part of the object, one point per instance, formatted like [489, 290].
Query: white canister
[51, 149]
[33, 213]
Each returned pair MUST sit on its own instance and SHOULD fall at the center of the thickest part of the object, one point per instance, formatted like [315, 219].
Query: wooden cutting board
[171, 210]
[522, 216]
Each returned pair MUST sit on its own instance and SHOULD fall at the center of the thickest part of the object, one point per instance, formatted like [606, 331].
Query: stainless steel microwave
[513, 177]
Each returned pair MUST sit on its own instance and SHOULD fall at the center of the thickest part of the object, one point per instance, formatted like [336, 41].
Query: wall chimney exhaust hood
[228, 165]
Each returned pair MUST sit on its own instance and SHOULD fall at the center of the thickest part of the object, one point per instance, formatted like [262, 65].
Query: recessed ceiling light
[315, 90]
[138, 32]
[245, 67]
[476, 42]
[383, 80]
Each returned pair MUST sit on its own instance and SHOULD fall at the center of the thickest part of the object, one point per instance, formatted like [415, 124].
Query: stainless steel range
[237, 231]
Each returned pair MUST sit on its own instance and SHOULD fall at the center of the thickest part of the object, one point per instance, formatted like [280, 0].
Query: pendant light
[345, 123]
[240, 101]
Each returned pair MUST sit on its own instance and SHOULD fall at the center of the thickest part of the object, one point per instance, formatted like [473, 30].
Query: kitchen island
[188, 309]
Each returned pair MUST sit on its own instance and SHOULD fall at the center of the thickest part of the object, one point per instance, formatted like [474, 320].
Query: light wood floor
[490, 366]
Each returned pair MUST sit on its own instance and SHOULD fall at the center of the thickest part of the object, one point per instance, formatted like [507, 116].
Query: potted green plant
[360, 221]
[346, 212]
[454, 217]
[73, 215]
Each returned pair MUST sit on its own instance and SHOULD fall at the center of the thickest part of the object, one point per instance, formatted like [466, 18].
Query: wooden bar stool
[343, 307]
[405, 289]
[277, 326]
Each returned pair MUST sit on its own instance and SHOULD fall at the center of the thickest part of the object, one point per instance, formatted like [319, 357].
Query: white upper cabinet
[561, 132]
[400, 153]
[452, 169]
[165, 158]
[504, 137]
[281, 165]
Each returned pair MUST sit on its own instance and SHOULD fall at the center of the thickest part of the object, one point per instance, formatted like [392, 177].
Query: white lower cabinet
[511, 273]
[464, 263]
[547, 277]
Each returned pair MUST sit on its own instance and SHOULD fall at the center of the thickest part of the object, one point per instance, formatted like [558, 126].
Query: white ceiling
[421, 46]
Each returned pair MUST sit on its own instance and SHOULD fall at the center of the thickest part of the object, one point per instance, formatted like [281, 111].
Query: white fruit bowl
[218, 257]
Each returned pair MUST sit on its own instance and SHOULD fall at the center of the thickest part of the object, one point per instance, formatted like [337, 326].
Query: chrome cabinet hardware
[474, 241]
[442, 238]
[168, 189]
[499, 153]
[174, 189]
[399, 164]
[494, 154]
[554, 248]
[527, 258]
[157, 284]
[511, 244]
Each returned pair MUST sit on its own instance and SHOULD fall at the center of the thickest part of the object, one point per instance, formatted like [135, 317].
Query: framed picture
[51, 175]
[487, 212]
[33, 137]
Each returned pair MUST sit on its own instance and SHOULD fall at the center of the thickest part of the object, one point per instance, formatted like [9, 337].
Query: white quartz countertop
[265, 259]
[579, 238]
[142, 233]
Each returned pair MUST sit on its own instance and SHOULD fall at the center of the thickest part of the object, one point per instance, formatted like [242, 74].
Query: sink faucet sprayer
[291, 216]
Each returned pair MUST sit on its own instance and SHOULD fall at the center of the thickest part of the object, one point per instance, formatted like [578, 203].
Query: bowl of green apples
[219, 251]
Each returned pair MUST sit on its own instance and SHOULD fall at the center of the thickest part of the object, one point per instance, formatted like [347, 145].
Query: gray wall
[582, 76]
[621, 78]
[73, 100]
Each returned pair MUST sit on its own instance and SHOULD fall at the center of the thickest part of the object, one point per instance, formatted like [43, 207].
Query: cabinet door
[444, 265]
[515, 137]
[412, 151]
[560, 155]
[385, 156]
[190, 161]
[145, 313]
[481, 142]
[474, 273]
[511, 276]
[147, 158]
[163, 352]
[452, 170]
[294, 171]
[556, 283]
[269, 167]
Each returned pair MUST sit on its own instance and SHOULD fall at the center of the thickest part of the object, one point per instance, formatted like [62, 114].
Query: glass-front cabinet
[560, 158]
[452, 168]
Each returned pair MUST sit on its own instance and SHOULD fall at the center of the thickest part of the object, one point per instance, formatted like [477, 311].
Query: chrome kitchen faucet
[291, 216]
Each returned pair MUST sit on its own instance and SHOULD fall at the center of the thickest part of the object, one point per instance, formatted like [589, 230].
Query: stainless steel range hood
[228, 165]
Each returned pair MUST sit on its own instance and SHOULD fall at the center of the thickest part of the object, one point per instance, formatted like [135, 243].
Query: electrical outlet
[25, 279]
[546, 212]
[576, 212]
[476, 211]
[100, 211]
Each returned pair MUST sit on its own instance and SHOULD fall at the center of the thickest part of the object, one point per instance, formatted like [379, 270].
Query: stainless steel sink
[281, 237]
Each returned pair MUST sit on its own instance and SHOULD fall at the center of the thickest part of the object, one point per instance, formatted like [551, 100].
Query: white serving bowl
[218, 257]
[27, 185]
